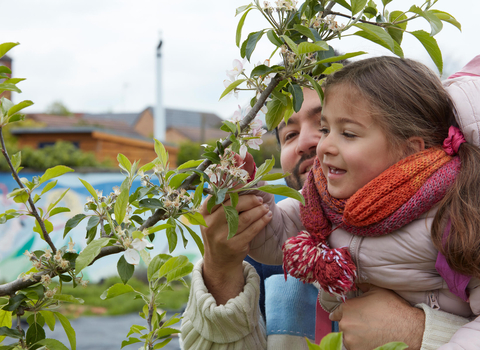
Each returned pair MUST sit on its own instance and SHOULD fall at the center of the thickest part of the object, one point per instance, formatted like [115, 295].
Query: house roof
[78, 130]
[193, 134]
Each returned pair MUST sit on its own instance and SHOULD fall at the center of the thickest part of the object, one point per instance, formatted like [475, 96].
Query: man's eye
[290, 136]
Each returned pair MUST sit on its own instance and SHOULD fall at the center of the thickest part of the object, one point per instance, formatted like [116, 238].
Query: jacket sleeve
[237, 325]
[446, 331]
[266, 247]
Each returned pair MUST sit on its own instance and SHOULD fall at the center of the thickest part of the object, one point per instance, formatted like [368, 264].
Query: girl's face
[353, 149]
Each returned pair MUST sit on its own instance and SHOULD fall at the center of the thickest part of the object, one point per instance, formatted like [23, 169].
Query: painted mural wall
[17, 235]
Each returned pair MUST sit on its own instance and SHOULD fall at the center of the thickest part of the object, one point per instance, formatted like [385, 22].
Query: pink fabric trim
[453, 141]
[323, 325]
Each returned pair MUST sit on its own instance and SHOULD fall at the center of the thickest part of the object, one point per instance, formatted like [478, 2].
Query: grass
[123, 304]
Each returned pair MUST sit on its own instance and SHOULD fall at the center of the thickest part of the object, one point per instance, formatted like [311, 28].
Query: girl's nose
[326, 145]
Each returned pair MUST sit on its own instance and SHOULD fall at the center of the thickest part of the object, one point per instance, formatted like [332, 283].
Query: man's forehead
[308, 113]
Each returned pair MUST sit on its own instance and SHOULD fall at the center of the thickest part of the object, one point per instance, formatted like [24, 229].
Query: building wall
[144, 125]
[173, 136]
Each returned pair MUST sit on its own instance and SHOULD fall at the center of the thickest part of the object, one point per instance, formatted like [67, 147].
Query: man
[223, 309]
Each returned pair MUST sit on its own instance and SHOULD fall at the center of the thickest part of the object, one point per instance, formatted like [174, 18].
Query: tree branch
[33, 210]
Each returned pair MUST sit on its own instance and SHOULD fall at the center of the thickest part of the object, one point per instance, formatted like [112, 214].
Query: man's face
[299, 139]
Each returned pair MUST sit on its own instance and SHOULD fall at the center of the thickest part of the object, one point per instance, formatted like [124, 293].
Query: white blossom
[132, 255]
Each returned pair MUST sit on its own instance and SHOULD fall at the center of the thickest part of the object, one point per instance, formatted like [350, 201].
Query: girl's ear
[416, 143]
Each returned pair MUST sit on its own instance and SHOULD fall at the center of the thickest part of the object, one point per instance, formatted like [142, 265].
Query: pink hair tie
[452, 143]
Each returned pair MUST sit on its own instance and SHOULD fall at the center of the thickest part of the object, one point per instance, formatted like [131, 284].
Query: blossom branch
[160, 213]
[33, 209]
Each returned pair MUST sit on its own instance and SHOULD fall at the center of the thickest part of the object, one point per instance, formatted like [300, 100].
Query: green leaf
[231, 87]
[5, 321]
[53, 204]
[116, 290]
[332, 341]
[435, 23]
[393, 346]
[397, 50]
[249, 45]
[273, 177]
[197, 198]
[378, 33]
[396, 31]
[124, 163]
[260, 70]
[52, 344]
[5, 47]
[121, 203]
[232, 220]
[9, 332]
[191, 163]
[177, 180]
[386, 2]
[240, 9]
[305, 31]
[165, 332]
[49, 318]
[283, 190]
[14, 303]
[276, 111]
[162, 344]
[274, 39]
[195, 219]
[344, 4]
[341, 57]
[265, 168]
[430, 44]
[59, 210]
[306, 47]
[5, 70]
[68, 298]
[90, 189]
[55, 172]
[125, 270]
[161, 153]
[155, 265]
[234, 199]
[157, 228]
[73, 222]
[18, 107]
[291, 44]
[49, 186]
[446, 17]
[130, 341]
[171, 235]
[238, 35]
[196, 238]
[136, 328]
[16, 160]
[69, 331]
[89, 253]
[357, 6]
[228, 126]
[212, 156]
[151, 203]
[297, 94]
[93, 222]
[172, 265]
[9, 87]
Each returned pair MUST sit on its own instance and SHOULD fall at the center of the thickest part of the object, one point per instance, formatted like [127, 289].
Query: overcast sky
[99, 55]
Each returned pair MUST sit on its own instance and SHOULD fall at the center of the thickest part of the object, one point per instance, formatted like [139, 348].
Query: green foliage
[58, 108]
[61, 153]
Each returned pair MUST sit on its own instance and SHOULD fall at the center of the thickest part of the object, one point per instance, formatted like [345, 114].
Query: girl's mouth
[336, 171]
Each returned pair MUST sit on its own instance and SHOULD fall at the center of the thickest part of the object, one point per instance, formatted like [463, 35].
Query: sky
[99, 56]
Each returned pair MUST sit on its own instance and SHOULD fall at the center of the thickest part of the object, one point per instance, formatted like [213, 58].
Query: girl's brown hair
[408, 100]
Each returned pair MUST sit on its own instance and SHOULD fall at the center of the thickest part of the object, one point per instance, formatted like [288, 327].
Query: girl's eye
[349, 135]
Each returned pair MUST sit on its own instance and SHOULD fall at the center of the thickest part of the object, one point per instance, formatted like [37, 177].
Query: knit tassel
[309, 260]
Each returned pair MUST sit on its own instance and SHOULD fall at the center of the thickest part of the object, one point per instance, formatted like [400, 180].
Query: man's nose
[308, 140]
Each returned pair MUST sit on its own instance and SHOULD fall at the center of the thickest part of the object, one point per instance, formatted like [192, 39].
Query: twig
[33, 209]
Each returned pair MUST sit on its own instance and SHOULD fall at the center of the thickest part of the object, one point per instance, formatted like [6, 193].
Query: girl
[392, 199]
